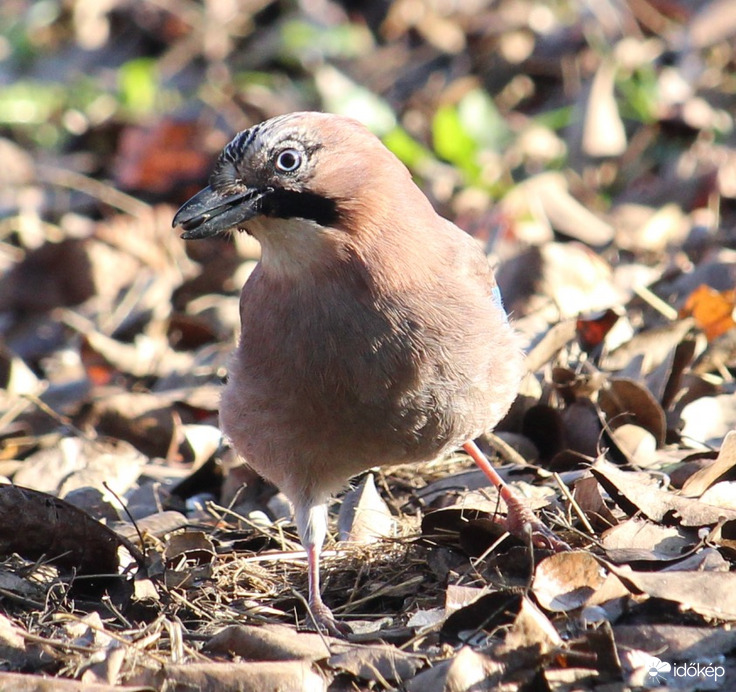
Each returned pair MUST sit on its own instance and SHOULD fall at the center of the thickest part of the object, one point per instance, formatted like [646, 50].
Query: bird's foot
[325, 621]
[521, 522]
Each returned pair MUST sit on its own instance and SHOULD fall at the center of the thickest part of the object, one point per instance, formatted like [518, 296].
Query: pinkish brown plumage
[372, 331]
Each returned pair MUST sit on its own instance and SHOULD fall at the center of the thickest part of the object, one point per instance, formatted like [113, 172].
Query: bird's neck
[389, 248]
[298, 251]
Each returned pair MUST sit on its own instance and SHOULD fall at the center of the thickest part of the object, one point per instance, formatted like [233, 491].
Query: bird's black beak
[210, 212]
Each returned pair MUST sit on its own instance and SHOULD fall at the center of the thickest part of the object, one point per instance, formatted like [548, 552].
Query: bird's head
[313, 166]
[300, 182]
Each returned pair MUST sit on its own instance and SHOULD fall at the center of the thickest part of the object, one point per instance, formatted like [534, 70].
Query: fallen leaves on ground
[590, 151]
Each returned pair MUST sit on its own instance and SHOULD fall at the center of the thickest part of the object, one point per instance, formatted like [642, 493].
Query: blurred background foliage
[474, 96]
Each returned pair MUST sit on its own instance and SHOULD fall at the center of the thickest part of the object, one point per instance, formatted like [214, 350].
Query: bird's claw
[542, 537]
[325, 621]
[521, 522]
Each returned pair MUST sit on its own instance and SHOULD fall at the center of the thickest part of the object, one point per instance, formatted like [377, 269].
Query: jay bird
[373, 331]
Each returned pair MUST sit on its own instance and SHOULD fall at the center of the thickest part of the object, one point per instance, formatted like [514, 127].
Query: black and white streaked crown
[235, 149]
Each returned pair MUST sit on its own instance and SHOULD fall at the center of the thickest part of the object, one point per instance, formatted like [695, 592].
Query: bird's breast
[335, 370]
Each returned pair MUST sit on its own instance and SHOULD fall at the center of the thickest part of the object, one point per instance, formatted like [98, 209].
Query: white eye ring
[288, 160]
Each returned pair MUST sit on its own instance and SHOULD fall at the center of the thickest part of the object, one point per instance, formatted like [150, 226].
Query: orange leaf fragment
[712, 310]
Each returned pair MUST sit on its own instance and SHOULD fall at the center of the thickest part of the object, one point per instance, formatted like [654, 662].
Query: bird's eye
[288, 160]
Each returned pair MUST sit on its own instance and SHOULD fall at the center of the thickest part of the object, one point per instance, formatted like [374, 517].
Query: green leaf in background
[462, 133]
[639, 91]
[30, 102]
[411, 153]
[452, 141]
[482, 121]
[138, 85]
[555, 118]
[301, 38]
[39, 108]
[343, 96]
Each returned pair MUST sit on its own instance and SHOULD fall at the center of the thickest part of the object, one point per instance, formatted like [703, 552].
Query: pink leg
[311, 521]
[322, 614]
[520, 519]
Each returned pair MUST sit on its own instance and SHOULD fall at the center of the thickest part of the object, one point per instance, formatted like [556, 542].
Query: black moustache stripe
[287, 204]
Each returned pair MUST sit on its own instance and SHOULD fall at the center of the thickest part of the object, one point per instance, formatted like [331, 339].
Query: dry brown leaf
[652, 345]
[565, 213]
[532, 628]
[468, 671]
[603, 129]
[13, 647]
[106, 654]
[703, 560]
[377, 662]
[457, 597]
[203, 441]
[149, 420]
[672, 642]
[364, 517]
[576, 678]
[36, 683]
[161, 156]
[452, 484]
[582, 428]
[18, 165]
[721, 494]
[189, 557]
[637, 540]
[76, 462]
[714, 22]
[665, 381]
[709, 419]
[638, 445]
[21, 586]
[244, 677]
[36, 525]
[553, 341]
[54, 275]
[712, 594]
[703, 479]
[632, 496]
[545, 427]
[269, 643]
[17, 379]
[144, 419]
[577, 279]
[625, 401]
[145, 358]
[587, 494]
[108, 669]
[159, 525]
[471, 623]
[641, 229]
[567, 581]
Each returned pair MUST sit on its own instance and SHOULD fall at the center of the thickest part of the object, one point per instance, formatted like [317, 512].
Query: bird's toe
[322, 617]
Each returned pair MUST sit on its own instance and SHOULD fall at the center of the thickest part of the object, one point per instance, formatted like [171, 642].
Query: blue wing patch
[498, 301]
